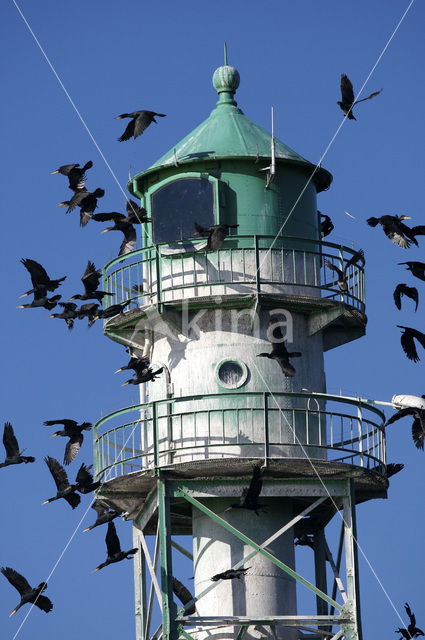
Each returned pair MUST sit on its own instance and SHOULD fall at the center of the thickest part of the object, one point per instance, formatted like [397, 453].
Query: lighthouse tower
[177, 461]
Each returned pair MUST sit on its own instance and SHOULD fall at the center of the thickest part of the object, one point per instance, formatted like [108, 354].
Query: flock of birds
[87, 202]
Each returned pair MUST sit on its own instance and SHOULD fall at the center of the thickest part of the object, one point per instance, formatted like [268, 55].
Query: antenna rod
[225, 54]
[273, 148]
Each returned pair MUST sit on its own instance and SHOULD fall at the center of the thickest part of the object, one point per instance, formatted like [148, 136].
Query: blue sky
[114, 58]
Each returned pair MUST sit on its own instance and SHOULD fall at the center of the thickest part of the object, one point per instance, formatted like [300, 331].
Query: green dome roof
[228, 133]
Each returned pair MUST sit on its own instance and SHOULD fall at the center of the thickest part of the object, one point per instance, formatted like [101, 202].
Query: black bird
[230, 574]
[73, 431]
[75, 174]
[408, 343]
[404, 290]
[250, 495]
[39, 278]
[412, 630]
[41, 300]
[113, 548]
[65, 489]
[86, 201]
[326, 225]
[347, 94]
[89, 311]
[418, 425]
[68, 314]
[135, 215]
[216, 234]
[27, 593]
[146, 376]
[103, 515]
[398, 232]
[84, 480]
[184, 596]
[91, 279]
[342, 273]
[112, 310]
[13, 455]
[281, 354]
[390, 470]
[417, 269]
[305, 541]
[138, 365]
[140, 121]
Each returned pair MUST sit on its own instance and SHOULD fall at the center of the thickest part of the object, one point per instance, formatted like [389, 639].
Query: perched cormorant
[75, 175]
[73, 431]
[342, 273]
[347, 94]
[27, 593]
[138, 365]
[65, 490]
[114, 549]
[112, 310]
[404, 290]
[184, 596]
[103, 515]
[13, 455]
[90, 279]
[412, 630]
[216, 234]
[141, 120]
[147, 375]
[68, 314]
[326, 225]
[86, 201]
[418, 425]
[39, 278]
[230, 574]
[89, 311]
[398, 232]
[408, 342]
[281, 354]
[250, 495]
[84, 480]
[417, 269]
[305, 540]
[41, 300]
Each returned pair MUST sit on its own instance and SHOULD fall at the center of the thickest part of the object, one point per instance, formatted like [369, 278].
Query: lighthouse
[177, 462]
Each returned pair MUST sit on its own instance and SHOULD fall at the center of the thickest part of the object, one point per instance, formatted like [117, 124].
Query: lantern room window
[178, 205]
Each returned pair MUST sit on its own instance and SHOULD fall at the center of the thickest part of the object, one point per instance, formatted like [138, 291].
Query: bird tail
[372, 222]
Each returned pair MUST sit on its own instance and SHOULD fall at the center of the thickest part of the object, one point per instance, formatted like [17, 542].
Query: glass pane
[178, 205]
[230, 373]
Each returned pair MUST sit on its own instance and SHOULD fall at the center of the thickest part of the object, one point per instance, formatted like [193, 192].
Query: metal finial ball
[226, 78]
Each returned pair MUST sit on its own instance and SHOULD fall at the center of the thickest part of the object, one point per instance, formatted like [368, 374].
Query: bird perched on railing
[417, 269]
[113, 548]
[91, 279]
[281, 354]
[86, 201]
[326, 225]
[250, 495]
[412, 630]
[103, 515]
[216, 234]
[39, 278]
[65, 490]
[230, 574]
[13, 455]
[75, 174]
[347, 97]
[147, 375]
[73, 431]
[404, 290]
[342, 273]
[140, 121]
[418, 425]
[68, 314]
[28, 594]
[408, 342]
[89, 311]
[84, 480]
[398, 232]
[184, 596]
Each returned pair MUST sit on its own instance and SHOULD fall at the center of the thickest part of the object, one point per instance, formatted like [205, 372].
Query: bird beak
[118, 370]
[73, 298]
[401, 262]
[88, 529]
[228, 509]
[55, 434]
[97, 569]
[125, 383]
[45, 502]
[24, 295]
[61, 204]
[21, 306]
[13, 612]
[104, 231]
[118, 118]
[53, 172]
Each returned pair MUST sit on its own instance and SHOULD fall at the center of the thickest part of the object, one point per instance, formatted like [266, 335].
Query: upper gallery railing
[266, 425]
[244, 265]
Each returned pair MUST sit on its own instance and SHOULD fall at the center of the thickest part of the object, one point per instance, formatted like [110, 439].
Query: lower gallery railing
[239, 425]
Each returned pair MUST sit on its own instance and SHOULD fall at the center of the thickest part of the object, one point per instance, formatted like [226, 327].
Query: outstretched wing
[37, 272]
[99, 507]
[372, 95]
[203, 231]
[408, 411]
[334, 268]
[72, 448]
[418, 433]
[129, 131]
[254, 489]
[106, 217]
[129, 242]
[408, 345]
[347, 92]
[65, 422]
[183, 595]
[91, 278]
[58, 473]
[9, 440]
[135, 214]
[84, 477]
[410, 292]
[16, 580]
[112, 541]
[355, 259]
[44, 603]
